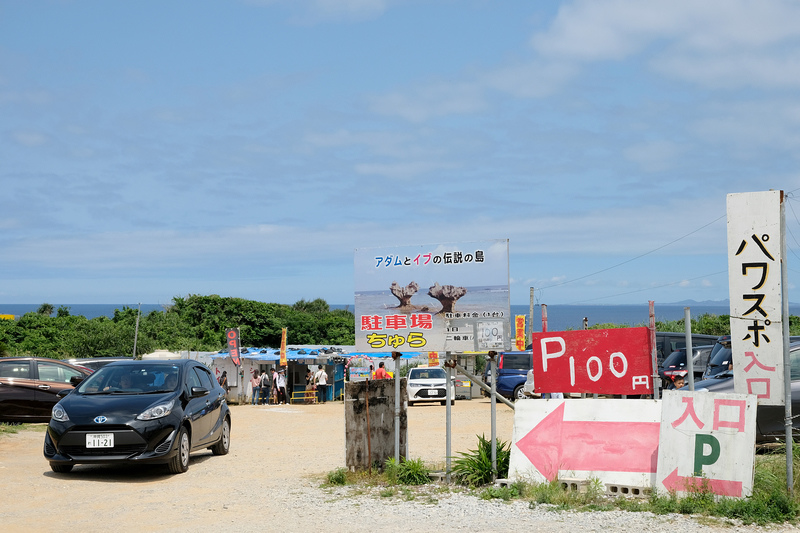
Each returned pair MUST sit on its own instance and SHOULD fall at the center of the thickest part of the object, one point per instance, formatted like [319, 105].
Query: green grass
[9, 428]
[409, 480]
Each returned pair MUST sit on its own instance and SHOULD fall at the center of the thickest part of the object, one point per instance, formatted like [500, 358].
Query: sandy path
[279, 455]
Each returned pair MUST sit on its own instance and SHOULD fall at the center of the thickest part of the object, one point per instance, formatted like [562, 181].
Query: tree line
[195, 323]
[198, 323]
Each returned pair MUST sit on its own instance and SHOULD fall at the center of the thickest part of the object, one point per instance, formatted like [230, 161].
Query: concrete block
[628, 490]
[574, 484]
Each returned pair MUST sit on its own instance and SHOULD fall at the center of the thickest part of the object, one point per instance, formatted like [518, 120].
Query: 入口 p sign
[601, 361]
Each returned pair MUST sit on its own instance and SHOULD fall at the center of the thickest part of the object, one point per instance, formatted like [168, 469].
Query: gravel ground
[272, 481]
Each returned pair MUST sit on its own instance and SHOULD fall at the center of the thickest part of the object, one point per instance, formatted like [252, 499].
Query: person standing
[274, 390]
[381, 372]
[321, 381]
[266, 381]
[281, 385]
[309, 386]
[223, 382]
[255, 381]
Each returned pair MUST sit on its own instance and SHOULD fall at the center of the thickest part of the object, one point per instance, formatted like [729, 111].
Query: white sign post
[756, 250]
[707, 442]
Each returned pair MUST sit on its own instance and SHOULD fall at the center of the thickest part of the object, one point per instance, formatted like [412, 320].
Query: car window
[427, 373]
[194, 380]
[206, 380]
[794, 362]
[517, 361]
[675, 359]
[15, 369]
[55, 372]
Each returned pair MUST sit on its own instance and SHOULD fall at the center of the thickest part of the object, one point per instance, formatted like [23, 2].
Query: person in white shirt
[280, 383]
[321, 381]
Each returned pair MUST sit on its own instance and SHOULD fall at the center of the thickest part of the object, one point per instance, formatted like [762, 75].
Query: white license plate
[99, 440]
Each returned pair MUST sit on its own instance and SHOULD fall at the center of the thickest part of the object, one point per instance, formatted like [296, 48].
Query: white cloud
[654, 156]
[29, 138]
[434, 100]
[717, 43]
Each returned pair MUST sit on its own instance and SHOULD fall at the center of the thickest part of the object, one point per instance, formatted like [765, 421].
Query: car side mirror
[76, 380]
[63, 392]
[197, 392]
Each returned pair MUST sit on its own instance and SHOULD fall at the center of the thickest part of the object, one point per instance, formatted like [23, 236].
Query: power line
[633, 258]
[648, 288]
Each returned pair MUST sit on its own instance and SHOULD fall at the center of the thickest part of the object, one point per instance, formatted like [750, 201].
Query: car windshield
[132, 379]
[427, 373]
[676, 359]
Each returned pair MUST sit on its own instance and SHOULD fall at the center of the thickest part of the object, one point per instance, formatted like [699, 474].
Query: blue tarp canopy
[270, 354]
[381, 355]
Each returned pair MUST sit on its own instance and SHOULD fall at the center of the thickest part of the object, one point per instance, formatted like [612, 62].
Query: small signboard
[598, 361]
[519, 332]
[615, 441]
[232, 334]
[283, 347]
[756, 252]
[707, 442]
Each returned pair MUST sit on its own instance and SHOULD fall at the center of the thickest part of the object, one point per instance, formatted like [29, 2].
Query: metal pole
[531, 324]
[653, 353]
[369, 430]
[544, 318]
[787, 374]
[448, 368]
[136, 332]
[493, 396]
[396, 356]
[687, 323]
[481, 384]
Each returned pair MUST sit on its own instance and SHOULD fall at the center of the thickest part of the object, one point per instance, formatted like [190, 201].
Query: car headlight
[412, 385]
[157, 411]
[58, 413]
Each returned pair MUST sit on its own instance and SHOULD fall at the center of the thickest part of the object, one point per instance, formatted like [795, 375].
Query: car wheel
[223, 444]
[180, 463]
[519, 392]
[443, 402]
[60, 469]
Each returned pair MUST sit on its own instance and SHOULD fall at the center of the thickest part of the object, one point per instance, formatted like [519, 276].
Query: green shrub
[474, 468]
[407, 472]
[506, 492]
[337, 477]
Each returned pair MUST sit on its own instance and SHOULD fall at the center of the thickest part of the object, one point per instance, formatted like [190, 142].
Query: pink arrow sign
[555, 444]
[718, 486]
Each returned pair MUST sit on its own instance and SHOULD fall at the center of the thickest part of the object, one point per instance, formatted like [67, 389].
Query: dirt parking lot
[279, 457]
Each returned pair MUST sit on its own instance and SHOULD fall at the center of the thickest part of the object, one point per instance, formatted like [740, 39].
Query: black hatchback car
[139, 412]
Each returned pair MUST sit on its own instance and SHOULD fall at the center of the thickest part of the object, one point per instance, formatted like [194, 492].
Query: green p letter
[701, 459]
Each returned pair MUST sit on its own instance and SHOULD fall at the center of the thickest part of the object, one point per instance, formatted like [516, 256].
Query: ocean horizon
[559, 317]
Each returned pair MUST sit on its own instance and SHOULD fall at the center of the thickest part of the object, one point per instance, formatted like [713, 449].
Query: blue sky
[156, 149]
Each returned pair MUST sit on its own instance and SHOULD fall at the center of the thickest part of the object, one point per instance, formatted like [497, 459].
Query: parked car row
[125, 411]
[512, 367]
[29, 386]
[769, 418]
[139, 412]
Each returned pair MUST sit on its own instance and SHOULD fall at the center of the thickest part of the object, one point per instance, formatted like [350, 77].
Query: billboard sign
[756, 252]
[440, 297]
[597, 361]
